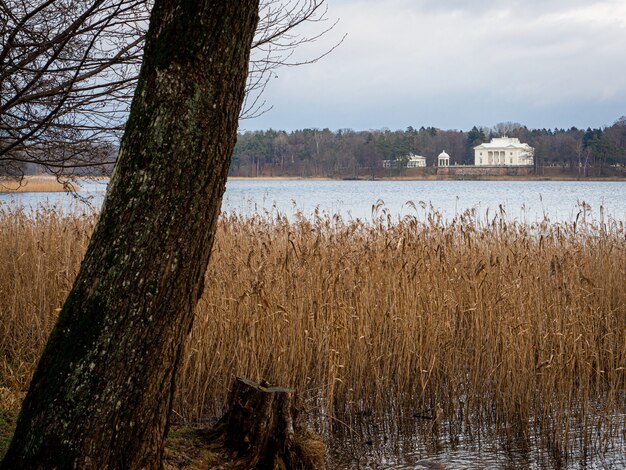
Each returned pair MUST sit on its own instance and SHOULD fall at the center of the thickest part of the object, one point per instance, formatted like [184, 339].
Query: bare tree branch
[68, 69]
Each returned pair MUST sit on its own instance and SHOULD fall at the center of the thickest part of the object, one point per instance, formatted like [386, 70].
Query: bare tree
[68, 71]
[277, 38]
[506, 128]
[102, 392]
[69, 68]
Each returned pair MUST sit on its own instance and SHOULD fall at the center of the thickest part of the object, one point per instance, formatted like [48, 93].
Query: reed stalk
[517, 328]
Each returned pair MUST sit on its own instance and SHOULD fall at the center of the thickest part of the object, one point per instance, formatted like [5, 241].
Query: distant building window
[481, 160]
[511, 153]
[511, 161]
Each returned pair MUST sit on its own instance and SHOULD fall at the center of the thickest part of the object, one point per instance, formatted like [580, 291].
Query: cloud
[454, 64]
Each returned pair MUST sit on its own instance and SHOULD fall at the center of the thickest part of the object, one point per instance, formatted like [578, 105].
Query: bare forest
[346, 153]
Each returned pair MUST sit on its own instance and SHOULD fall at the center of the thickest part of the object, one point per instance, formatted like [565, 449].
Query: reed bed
[40, 252]
[489, 323]
[36, 184]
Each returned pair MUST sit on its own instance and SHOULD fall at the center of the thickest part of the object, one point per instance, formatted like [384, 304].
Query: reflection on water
[402, 444]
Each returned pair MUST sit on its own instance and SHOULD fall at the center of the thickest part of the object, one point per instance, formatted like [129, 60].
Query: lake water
[374, 444]
[525, 201]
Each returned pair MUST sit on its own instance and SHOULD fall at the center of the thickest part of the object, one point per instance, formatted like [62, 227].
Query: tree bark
[102, 392]
[261, 430]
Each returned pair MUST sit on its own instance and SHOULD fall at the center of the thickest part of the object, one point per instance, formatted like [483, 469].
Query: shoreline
[431, 178]
[36, 184]
[48, 183]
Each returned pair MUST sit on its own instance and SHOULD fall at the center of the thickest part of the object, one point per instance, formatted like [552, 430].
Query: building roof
[444, 155]
[503, 142]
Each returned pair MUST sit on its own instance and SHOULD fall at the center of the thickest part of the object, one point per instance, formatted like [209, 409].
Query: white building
[412, 161]
[443, 159]
[503, 151]
[416, 161]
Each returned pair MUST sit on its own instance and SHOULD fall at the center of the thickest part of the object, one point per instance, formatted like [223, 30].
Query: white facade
[416, 161]
[412, 161]
[503, 151]
[443, 159]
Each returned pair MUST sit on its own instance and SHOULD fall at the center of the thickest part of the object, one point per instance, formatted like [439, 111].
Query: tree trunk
[102, 392]
[261, 430]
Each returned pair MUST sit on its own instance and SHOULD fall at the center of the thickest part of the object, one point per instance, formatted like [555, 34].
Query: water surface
[524, 201]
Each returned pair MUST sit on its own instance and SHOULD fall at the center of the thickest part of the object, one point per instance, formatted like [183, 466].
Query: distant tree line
[346, 153]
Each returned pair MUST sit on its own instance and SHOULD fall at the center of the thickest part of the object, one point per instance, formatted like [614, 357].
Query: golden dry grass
[39, 253]
[507, 326]
[36, 184]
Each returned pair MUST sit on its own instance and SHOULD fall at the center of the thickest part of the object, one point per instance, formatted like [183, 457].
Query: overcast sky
[454, 64]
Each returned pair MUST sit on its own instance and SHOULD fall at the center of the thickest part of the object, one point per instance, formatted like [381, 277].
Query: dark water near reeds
[523, 201]
[377, 444]
[397, 444]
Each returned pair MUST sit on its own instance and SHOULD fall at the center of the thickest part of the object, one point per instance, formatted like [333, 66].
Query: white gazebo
[503, 151]
[443, 159]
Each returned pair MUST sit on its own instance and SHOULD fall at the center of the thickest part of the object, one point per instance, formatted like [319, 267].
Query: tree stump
[261, 430]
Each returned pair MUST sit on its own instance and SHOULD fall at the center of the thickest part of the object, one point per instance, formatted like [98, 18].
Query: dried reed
[517, 328]
[36, 184]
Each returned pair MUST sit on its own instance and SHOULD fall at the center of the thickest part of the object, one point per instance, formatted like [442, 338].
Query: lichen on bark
[102, 392]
